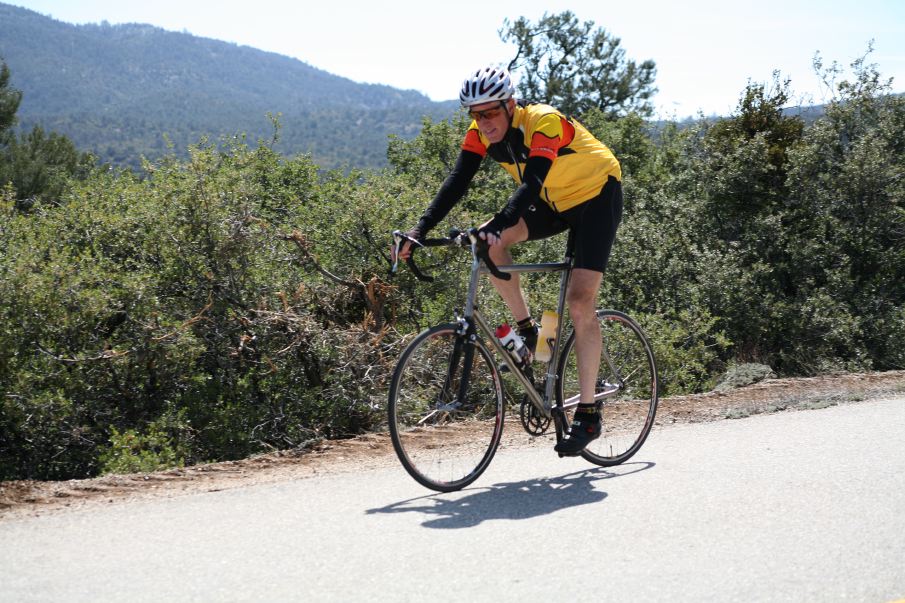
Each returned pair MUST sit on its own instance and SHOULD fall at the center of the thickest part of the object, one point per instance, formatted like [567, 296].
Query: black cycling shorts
[593, 224]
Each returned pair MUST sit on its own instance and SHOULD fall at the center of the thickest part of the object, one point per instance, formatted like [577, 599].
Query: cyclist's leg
[594, 223]
[581, 297]
[539, 222]
[582, 300]
[511, 290]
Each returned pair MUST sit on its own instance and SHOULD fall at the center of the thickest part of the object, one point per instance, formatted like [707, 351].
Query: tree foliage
[38, 166]
[236, 300]
[577, 66]
[9, 101]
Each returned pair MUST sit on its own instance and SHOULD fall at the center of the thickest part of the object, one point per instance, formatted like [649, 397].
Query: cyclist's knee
[508, 238]
[582, 303]
[582, 293]
[514, 234]
[500, 254]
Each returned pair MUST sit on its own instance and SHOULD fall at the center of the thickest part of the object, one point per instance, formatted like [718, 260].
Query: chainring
[533, 422]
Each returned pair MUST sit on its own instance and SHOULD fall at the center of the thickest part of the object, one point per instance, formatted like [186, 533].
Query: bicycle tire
[629, 412]
[444, 439]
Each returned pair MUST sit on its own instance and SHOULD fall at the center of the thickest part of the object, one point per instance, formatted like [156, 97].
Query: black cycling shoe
[529, 336]
[586, 427]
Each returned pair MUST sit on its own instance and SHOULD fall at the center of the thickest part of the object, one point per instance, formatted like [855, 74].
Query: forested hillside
[230, 298]
[123, 91]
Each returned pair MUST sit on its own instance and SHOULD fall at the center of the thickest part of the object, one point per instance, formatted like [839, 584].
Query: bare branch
[303, 245]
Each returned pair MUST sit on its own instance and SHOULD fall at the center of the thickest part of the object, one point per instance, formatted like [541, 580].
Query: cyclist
[566, 179]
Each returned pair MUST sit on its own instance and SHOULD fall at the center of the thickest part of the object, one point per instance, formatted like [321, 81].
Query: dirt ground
[32, 498]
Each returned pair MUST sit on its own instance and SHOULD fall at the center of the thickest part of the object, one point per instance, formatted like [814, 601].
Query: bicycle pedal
[568, 454]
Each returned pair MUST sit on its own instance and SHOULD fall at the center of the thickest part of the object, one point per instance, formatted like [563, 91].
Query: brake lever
[482, 250]
[400, 238]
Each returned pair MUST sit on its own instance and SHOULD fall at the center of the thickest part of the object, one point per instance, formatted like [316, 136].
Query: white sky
[705, 50]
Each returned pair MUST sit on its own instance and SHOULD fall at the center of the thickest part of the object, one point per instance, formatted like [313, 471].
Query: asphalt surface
[796, 506]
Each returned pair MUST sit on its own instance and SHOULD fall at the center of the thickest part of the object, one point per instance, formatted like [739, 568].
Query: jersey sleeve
[536, 169]
[474, 142]
[551, 133]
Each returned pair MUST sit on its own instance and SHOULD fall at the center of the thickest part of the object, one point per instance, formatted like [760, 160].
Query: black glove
[491, 227]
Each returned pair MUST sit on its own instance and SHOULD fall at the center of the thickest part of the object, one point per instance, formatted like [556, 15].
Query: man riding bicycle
[567, 179]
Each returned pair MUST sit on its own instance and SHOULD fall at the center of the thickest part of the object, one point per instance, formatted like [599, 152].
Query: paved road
[798, 506]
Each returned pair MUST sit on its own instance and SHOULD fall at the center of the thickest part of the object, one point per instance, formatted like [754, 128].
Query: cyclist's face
[492, 118]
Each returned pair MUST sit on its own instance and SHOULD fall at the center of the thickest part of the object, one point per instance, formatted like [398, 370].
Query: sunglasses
[486, 113]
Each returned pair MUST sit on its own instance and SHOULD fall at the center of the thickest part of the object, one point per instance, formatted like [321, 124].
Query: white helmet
[486, 85]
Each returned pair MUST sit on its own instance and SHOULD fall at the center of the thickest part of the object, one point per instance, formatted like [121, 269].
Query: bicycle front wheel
[626, 385]
[445, 409]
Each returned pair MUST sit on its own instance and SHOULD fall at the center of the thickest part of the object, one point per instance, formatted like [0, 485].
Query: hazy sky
[705, 50]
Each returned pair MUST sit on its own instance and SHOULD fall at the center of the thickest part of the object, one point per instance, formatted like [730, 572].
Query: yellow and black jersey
[581, 163]
[552, 157]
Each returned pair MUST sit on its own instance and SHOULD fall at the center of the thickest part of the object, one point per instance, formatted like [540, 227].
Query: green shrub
[687, 350]
[239, 301]
[164, 445]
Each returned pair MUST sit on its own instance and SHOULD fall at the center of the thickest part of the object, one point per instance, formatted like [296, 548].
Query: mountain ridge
[116, 90]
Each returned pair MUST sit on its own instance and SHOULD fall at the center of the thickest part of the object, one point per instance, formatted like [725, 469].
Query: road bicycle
[446, 402]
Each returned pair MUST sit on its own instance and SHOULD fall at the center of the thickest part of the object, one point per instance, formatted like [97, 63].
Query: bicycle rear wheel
[445, 409]
[627, 385]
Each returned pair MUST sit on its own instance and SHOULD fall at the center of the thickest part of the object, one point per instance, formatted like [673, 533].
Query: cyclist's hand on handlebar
[405, 249]
[490, 234]
[404, 244]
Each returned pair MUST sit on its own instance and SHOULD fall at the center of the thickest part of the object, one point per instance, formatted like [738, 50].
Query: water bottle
[548, 323]
[512, 342]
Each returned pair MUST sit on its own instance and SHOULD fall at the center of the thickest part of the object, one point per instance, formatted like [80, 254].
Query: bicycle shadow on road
[511, 500]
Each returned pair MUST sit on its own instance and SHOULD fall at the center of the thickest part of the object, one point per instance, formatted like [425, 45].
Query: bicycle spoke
[627, 387]
[428, 418]
[445, 409]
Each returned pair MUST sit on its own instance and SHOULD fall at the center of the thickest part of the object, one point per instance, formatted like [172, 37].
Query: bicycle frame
[472, 317]
[422, 398]
[473, 321]
[543, 405]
